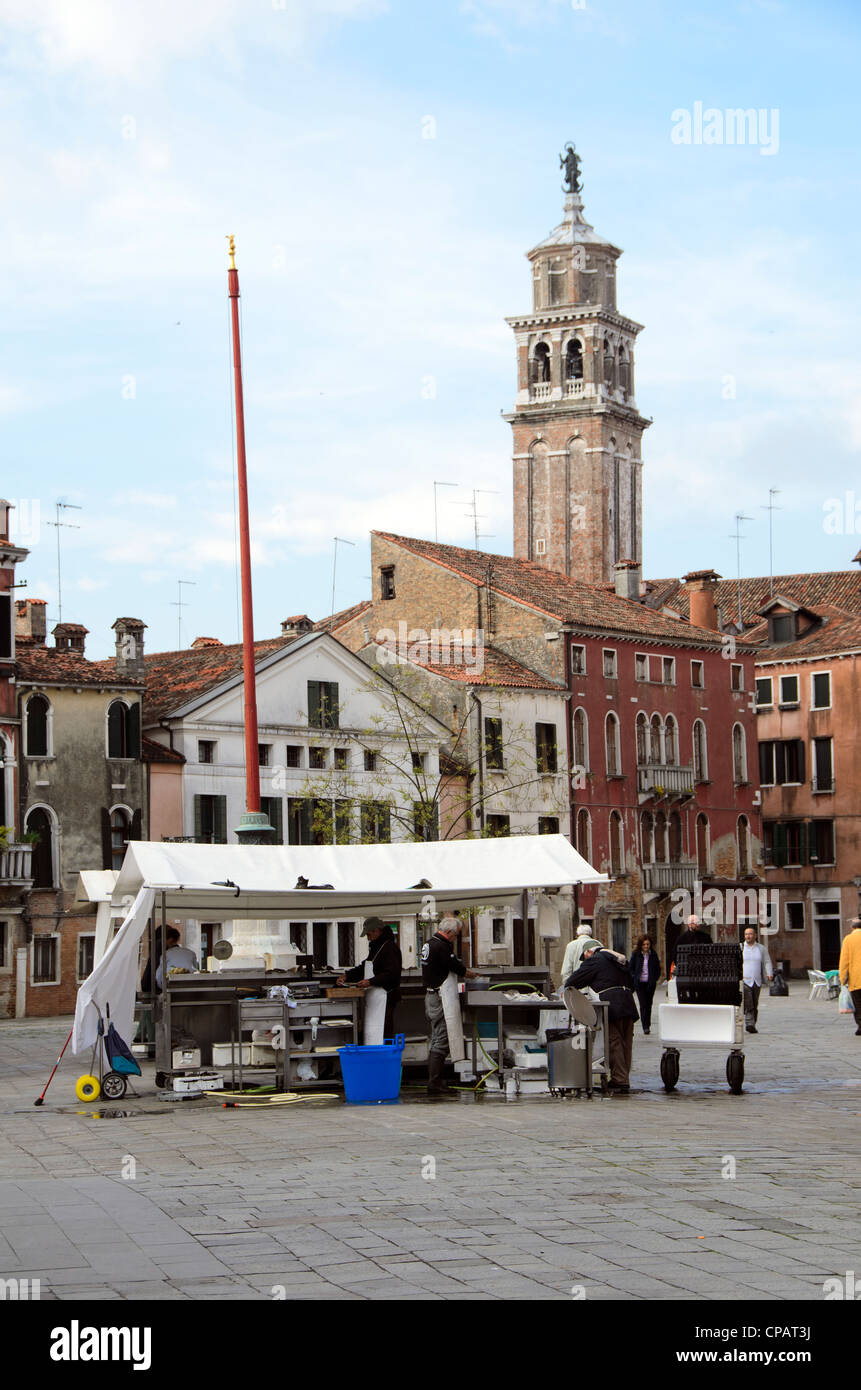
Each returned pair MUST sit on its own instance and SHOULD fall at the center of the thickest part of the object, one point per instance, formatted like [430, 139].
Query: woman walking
[645, 969]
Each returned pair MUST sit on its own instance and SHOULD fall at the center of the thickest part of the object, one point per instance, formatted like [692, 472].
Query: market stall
[259, 885]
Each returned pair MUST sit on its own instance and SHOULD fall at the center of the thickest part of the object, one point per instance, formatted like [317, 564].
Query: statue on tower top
[569, 160]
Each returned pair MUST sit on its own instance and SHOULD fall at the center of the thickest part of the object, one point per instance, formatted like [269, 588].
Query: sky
[385, 165]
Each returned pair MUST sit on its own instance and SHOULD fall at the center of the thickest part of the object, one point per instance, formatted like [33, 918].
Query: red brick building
[15, 855]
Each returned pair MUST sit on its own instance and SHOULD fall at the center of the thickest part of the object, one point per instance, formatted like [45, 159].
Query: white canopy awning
[224, 882]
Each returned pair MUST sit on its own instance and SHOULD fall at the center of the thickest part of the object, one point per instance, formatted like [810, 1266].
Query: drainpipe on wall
[569, 735]
[477, 707]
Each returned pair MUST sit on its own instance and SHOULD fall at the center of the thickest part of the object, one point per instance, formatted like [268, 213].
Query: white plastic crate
[716, 1025]
[182, 1057]
[199, 1081]
[262, 1055]
[223, 1053]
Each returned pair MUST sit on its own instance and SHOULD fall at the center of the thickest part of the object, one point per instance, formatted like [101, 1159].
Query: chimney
[5, 519]
[130, 647]
[626, 575]
[31, 620]
[69, 637]
[701, 587]
[296, 626]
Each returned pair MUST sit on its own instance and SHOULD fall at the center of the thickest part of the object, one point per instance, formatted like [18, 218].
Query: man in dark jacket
[385, 956]
[692, 934]
[438, 962]
[607, 973]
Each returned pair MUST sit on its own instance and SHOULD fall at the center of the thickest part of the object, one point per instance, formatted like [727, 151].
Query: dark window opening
[387, 581]
[210, 820]
[548, 825]
[293, 755]
[574, 361]
[497, 826]
[39, 823]
[323, 704]
[493, 744]
[37, 727]
[205, 750]
[545, 747]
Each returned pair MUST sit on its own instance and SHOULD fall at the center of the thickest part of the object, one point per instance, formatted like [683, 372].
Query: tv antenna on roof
[771, 509]
[339, 540]
[737, 537]
[70, 525]
[475, 514]
[179, 604]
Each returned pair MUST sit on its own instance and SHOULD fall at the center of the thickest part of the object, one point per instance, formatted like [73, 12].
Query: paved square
[696, 1195]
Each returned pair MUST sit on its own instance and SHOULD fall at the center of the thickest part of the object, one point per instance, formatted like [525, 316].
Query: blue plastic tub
[372, 1074]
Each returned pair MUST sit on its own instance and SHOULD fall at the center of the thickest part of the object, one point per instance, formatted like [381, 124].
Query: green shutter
[779, 854]
[198, 819]
[107, 855]
[219, 820]
[134, 732]
[314, 712]
[273, 807]
[137, 826]
[331, 702]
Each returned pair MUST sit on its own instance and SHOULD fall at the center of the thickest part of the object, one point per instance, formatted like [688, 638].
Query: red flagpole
[252, 761]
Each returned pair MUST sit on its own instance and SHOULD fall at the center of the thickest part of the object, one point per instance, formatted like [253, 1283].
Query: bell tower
[577, 430]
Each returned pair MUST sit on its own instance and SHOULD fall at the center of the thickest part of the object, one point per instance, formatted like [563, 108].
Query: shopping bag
[845, 1005]
[778, 984]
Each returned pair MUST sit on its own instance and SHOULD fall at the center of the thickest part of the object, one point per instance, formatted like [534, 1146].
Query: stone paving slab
[625, 1196]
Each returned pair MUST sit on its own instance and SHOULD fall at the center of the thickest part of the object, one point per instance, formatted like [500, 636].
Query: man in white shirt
[756, 970]
[177, 957]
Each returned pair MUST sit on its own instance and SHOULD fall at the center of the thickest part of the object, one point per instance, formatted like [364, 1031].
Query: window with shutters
[323, 704]
[210, 820]
[616, 847]
[578, 660]
[40, 823]
[675, 837]
[698, 678]
[316, 758]
[341, 758]
[656, 730]
[370, 761]
[611, 663]
[782, 628]
[273, 808]
[642, 740]
[671, 741]
[343, 822]
[739, 755]
[820, 690]
[387, 581]
[641, 667]
[581, 739]
[736, 677]
[206, 750]
[299, 811]
[5, 947]
[821, 841]
[123, 730]
[584, 834]
[795, 833]
[264, 753]
[823, 765]
[660, 838]
[612, 747]
[293, 755]
[789, 696]
[121, 822]
[545, 747]
[668, 670]
[764, 692]
[425, 821]
[493, 745]
[789, 762]
[548, 825]
[37, 715]
[701, 755]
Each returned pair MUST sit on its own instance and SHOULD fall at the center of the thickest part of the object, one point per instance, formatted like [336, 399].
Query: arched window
[702, 845]
[574, 361]
[624, 371]
[609, 364]
[701, 755]
[647, 830]
[655, 740]
[121, 824]
[675, 838]
[584, 834]
[611, 742]
[40, 823]
[671, 741]
[739, 754]
[38, 710]
[118, 729]
[558, 275]
[616, 846]
[642, 740]
[581, 739]
[661, 838]
[540, 364]
[743, 842]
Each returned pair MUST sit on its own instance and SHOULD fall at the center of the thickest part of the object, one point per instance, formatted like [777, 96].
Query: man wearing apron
[380, 977]
[440, 966]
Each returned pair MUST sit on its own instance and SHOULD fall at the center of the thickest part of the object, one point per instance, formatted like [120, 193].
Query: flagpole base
[254, 829]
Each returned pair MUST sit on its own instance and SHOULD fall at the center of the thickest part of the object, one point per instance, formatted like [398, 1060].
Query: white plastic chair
[818, 984]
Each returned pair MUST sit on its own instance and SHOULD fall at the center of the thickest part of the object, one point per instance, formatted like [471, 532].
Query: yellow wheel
[87, 1088]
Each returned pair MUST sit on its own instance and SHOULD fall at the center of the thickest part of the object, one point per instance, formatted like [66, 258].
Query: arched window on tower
[574, 361]
[609, 365]
[624, 370]
[558, 286]
[540, 365]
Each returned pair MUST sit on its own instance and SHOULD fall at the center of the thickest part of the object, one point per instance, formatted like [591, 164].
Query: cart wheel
[114, 1086]
[670, 1070]
[160, 1080]
[87, 1088]
[735, 1072]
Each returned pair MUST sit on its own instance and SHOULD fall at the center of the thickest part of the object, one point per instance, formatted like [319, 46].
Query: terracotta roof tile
[570, 601]
[841, 588]
[346, 615]
[498, 669]
[152, 752]
[840, 632]
[41, 665]
[173, 678]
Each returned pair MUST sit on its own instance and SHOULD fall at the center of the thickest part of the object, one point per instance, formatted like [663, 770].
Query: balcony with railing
[663, 878]
[16, 866]
[664, 781]
[540, 391]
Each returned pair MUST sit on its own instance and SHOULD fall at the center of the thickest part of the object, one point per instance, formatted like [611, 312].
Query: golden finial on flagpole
[231, 240]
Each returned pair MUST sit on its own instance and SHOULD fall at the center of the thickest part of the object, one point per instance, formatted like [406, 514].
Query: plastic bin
[372, 1074]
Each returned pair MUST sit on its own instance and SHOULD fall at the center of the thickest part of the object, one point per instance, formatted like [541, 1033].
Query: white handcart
[701, 1025]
